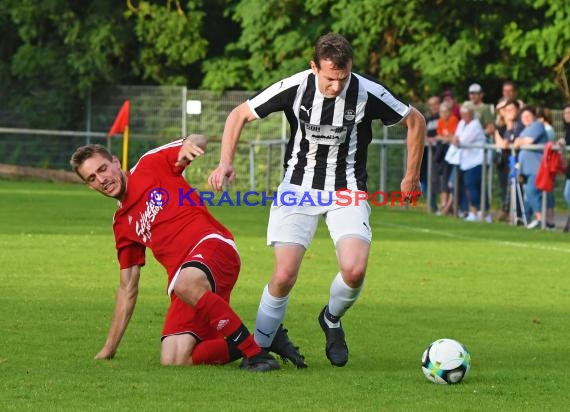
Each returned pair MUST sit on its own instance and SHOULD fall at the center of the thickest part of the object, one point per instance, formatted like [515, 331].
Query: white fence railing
[390, 160]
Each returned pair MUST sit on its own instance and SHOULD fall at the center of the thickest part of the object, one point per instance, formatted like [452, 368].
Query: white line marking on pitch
[456, 236]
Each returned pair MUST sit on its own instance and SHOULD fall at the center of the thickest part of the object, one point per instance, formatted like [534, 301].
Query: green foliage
[416, 47]
[54, 52]
[546, 42]
[169, 40]
[94, 49]
[268, 49]
[33, 60]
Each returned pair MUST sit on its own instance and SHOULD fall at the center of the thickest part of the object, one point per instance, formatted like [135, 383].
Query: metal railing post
[483, 183]
[268, 170]
[428, 177]
[383, 160]
[251, 167]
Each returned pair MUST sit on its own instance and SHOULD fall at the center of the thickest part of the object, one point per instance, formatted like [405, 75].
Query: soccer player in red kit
[198, 253]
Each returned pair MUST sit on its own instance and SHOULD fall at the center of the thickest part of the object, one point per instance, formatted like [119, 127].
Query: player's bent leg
[214, 352]
[288, 259]
[352, 256]
[184, 349]
[192, 286]
[290, 233]
[176, 349]
[275, 296]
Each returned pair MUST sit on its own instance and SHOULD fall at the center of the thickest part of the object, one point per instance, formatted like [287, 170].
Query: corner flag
[121, 125]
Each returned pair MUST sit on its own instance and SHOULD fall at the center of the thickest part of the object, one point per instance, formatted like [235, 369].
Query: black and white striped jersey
[328, 145]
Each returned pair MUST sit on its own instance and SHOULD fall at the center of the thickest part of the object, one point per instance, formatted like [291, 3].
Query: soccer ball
[446, 361]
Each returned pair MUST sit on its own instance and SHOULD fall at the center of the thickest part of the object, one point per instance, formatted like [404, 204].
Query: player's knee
[188, 294]
[168, 358]
[191, 286]
[284, 279]
[175, 362]
[177, 349]
[353, 275]
[168, 362]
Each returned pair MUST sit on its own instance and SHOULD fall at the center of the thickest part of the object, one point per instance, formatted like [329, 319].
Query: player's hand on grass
[105, 354]
[217, 177]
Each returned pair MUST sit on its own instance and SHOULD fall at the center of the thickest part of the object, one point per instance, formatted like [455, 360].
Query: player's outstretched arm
[192, 147]
[235, 122]
[416, 124]
[125, 301]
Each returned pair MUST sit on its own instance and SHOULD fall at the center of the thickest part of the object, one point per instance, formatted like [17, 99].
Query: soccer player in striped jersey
[198, 253]
[329, 109]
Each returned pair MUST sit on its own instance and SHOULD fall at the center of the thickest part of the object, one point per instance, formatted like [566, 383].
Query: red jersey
[161, 211]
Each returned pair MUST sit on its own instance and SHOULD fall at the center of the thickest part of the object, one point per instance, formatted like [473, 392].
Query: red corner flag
[121, 125]
[122, 119]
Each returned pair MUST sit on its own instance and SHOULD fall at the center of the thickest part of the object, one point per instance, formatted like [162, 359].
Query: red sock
[248, 347]
[211, 352]
[222, 318]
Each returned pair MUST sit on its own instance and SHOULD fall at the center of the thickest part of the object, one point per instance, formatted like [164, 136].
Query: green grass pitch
[502, 291]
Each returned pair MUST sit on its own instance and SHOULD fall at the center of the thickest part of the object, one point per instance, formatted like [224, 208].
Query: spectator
[508, 128]
[502, 161]
[449, 98]
[470, 132]
[482, 111]
[510, 92]
[446, 126]
[432, 116]
[500, 123]
[544, 115]
[431, 131]
[533, 133]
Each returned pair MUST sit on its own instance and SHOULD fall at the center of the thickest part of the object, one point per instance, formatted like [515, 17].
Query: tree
[276, 40]
[168, 40]
[547, 43]
[416, 47]
[54, 51]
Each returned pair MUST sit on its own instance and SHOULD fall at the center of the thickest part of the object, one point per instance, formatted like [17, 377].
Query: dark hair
[529, 109]
[544, 113]
[335, 48]
[83, 153]
[510, 83]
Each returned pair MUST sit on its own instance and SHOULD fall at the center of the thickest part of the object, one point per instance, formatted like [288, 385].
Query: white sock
[341, 299]
[269, 316]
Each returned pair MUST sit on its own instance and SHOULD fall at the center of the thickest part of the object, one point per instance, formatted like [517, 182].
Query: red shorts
[219, 259]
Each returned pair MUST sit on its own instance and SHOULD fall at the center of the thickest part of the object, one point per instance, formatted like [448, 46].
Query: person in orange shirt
[446, 125]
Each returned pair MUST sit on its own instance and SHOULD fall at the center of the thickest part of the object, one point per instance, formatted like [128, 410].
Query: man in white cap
[482, 111]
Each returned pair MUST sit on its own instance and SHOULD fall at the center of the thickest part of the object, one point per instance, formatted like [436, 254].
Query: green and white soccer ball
[446, 361]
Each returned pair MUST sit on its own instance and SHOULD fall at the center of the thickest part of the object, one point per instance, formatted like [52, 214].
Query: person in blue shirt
[534, 133]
